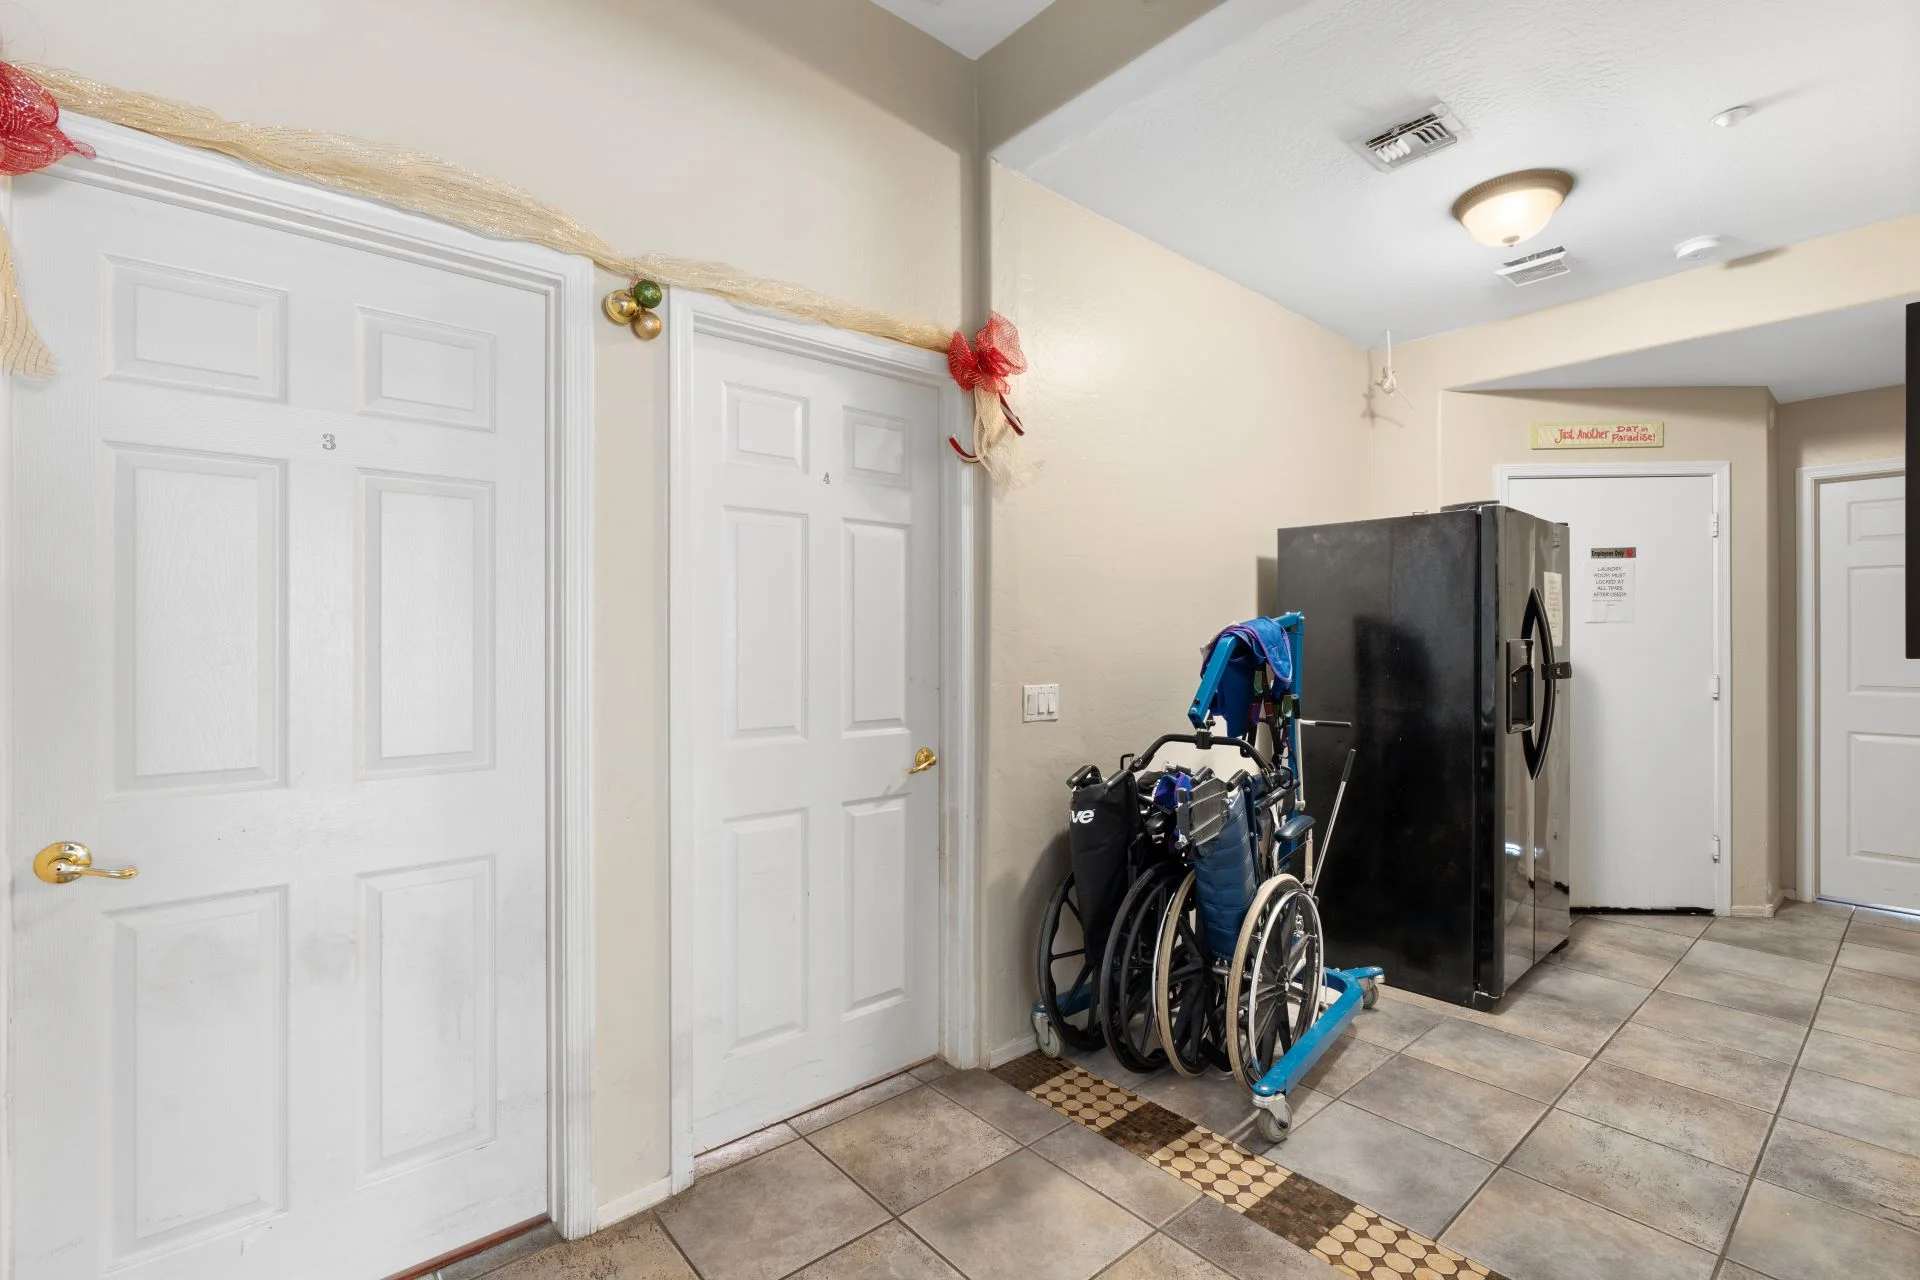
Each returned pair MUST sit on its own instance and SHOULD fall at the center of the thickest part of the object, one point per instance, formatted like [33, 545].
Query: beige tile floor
[1671, 1096]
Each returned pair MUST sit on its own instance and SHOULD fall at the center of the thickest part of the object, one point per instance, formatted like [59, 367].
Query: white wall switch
[1041, 702]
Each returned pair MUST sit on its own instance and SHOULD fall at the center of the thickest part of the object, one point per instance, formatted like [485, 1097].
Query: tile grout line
[1773, 1116]
[900, 1218]
[658, 1222]
[1773, 1122]
[1555, 1105]
[807, 1138]
[1550, 1109]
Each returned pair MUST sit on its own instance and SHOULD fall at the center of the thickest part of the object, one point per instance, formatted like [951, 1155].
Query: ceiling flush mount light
[1504, 211]
[1732, 116]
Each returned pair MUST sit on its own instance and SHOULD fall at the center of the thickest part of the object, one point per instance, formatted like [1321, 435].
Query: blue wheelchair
[1214, 957]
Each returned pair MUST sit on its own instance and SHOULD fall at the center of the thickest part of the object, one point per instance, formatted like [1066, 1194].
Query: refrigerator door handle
[1535, 630]
[1520, 711]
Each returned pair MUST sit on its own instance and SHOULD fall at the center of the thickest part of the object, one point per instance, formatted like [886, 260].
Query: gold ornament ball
[620, 306]
[646, 326]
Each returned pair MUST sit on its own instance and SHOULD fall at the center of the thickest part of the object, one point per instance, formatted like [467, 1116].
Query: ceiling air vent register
[1535, 267]
[1395, 148]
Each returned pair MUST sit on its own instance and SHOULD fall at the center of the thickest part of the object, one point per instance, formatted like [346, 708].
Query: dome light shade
[1514, 207]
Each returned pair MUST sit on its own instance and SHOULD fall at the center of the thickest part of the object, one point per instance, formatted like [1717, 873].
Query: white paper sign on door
[1610, 586]
[1554, 597]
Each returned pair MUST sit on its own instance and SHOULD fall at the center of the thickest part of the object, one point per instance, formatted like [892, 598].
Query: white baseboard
[620, 1208]
[1017, 1048]
[1762, 911]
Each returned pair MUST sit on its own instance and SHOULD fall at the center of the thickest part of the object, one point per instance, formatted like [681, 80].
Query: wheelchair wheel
[1189, 999]
[1273, 986]
[1065, 972]
[1126, 976]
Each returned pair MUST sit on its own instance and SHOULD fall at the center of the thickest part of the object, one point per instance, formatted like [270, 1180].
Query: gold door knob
[63, 862]
[923, 760]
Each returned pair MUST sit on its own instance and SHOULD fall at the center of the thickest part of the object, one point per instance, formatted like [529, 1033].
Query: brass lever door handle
[923, 760]
[63, 862]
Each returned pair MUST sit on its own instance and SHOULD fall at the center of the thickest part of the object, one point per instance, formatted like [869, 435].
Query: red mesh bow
[30, 136]
[994, 357]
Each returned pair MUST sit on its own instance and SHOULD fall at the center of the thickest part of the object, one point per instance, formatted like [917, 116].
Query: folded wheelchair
[1186, 933]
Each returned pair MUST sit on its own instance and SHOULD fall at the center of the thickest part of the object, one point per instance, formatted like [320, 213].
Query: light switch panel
[1041, 702]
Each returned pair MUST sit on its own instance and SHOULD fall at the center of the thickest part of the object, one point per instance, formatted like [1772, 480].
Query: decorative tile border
[1333, 1228]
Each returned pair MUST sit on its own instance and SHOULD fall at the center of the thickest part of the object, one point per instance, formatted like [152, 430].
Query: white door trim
[1721, 474]
[690, 314]
[1806, 878]
[143, 165]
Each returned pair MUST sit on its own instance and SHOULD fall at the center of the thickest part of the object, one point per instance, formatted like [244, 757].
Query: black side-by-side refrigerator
[1442, 637]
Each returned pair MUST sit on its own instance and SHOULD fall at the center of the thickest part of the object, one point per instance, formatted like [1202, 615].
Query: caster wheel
[1049, 1038]
[1370, 993]
[1274, 1127]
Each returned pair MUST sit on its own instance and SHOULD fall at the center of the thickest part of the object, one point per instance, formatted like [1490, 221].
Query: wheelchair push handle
[1205, 741]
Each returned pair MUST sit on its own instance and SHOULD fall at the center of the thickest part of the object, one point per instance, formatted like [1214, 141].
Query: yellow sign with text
[1599, 435]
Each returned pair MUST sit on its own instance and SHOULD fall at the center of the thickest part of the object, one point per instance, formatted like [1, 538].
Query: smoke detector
[1535, 267]
[1698, 249]
[1435, 129]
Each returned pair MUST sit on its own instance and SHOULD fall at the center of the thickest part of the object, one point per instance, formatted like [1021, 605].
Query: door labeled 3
[813, 749]
[278, 618]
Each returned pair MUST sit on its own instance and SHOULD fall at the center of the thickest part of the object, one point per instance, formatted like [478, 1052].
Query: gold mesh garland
[21, 349]
[422, 184]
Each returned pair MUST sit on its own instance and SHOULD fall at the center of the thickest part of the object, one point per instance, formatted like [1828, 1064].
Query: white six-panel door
[1645, 687]
[814, 515]
[1869, 722]
[277, 539]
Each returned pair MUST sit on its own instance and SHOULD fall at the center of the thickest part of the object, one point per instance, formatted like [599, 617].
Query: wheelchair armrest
[1295, 828]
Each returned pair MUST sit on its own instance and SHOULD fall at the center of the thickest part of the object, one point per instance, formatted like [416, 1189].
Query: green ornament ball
[647, 293]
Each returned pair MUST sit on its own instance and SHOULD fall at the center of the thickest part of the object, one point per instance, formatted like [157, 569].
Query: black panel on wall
[1913, 451]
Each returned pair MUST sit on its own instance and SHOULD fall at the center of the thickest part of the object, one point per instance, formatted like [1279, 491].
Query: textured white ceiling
[970, 26]
[1822, 355]
[1231, 145]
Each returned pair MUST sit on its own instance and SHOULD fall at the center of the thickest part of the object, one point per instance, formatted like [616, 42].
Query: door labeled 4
[1640, 609]
[813, 738]
[278, 641]
[1869, 728]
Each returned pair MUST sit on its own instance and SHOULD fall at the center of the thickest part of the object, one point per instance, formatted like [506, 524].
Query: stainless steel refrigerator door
[1532, 772]
[1552, 874]
[1517, 712]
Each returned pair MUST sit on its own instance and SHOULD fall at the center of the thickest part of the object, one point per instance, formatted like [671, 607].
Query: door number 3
[327, 441]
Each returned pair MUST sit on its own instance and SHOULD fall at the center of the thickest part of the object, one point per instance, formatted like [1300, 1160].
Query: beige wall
[832, 149]
[1176, 420]
[1862, 427]
[1714, 424]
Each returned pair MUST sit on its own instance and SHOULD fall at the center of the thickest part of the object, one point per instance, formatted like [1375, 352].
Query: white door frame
[1721, 475]
[1806, 879]
[146, 166]
[690, 314]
